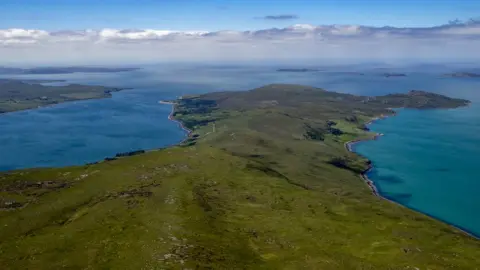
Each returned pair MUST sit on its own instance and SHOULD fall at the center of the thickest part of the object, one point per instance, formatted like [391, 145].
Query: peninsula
[18, 95]
[263, 182]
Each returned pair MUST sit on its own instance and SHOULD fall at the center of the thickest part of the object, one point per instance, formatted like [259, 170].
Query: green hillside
[263, 182]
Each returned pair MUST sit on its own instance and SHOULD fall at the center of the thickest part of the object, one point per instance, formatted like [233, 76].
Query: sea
[427, 160]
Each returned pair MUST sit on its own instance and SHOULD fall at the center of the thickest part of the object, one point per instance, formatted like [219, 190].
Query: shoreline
[179, 123]
[349, 147]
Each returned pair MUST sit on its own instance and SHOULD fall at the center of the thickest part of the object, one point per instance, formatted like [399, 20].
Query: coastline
[179, 123]
[349, 147]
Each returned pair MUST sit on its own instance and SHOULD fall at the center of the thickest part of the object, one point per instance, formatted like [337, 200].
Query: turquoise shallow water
[427, 160]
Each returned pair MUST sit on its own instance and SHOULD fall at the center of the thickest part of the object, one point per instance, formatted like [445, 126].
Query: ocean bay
[428, 161]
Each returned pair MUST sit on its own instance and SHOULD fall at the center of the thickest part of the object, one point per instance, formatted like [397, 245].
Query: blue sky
[130, 31]
[212, 15]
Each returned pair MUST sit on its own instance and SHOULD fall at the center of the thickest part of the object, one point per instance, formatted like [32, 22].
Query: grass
[253, 194]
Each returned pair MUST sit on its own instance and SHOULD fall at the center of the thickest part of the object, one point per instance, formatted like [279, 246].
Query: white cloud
[22, 33]
[346, 30]
[295, 42]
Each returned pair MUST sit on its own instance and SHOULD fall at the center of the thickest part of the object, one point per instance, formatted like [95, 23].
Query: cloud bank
[453, 41]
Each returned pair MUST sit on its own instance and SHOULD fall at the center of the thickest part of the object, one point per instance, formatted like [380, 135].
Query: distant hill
[297, 96]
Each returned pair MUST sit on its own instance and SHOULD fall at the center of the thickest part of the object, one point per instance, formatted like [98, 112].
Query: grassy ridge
[258, 186]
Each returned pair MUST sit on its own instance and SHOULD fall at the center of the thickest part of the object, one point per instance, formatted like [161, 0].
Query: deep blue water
[427, 160]
[86, 131]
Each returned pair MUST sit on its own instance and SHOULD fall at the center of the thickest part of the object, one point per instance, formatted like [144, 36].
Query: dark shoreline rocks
[131, 153]
[120, 155]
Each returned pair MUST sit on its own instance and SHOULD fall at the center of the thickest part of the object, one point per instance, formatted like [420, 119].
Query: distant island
[33, 80]
[263, 181]
[60, 70]
[389, 74]
[463, 75]
[18, 95]
[296, 70]
[347, 73]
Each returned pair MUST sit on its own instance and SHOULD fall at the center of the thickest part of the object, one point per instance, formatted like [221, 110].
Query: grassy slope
[255, 194]
[16, 95]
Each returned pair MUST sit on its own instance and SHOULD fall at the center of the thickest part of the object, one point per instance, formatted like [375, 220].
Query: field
[263, 182]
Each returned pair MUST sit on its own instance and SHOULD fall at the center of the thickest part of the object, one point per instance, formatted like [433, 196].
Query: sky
[147, 30]
[213, 15]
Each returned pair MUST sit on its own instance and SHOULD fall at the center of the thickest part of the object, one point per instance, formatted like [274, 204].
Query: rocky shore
[171, 117]
[349, 146]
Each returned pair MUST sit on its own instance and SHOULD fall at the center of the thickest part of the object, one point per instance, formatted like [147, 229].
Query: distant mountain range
[61, 70]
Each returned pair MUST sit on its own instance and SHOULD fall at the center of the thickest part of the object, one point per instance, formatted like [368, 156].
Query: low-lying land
[296, 70]
[394, 75]
[18, 95]
[463, 75]
[263, 182]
